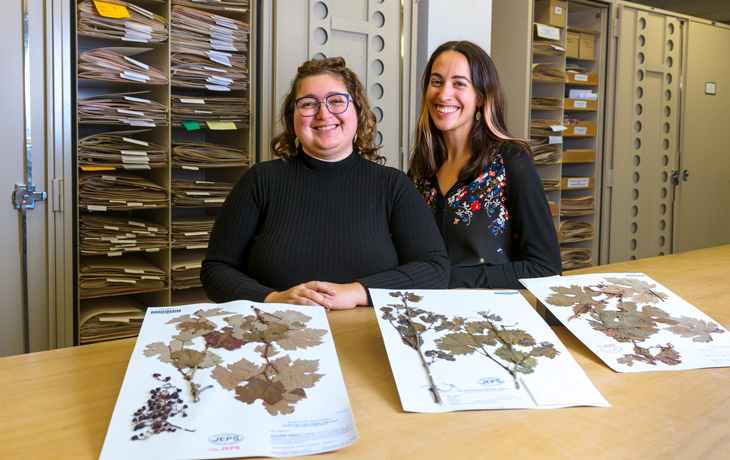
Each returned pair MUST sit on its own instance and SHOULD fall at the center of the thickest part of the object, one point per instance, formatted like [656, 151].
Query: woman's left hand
[347, 296]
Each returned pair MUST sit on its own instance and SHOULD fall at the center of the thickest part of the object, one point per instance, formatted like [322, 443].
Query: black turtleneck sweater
[285, 224]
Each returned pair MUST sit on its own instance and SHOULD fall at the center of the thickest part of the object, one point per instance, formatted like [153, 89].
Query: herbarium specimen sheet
[633, 323]
[458, 349]
[237, 379]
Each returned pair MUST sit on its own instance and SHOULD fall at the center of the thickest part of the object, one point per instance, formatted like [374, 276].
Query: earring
[479, 114]
[296, 143]
[354, 139]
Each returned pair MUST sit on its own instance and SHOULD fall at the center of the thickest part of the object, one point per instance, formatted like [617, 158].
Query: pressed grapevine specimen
[154, 417]
[411, 323]
[514, 350]
[630, 322]
[279, 382]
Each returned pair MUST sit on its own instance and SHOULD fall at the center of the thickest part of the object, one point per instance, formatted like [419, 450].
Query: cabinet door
[646, 133]
[703, 190]
[365, 33]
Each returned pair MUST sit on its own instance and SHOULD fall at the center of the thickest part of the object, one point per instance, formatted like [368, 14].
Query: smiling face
[452, 101]
[325, 136]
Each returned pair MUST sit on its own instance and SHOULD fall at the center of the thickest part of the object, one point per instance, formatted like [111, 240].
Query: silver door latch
[26, 195]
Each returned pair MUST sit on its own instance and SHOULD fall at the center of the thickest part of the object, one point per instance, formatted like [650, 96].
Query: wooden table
[57, 404]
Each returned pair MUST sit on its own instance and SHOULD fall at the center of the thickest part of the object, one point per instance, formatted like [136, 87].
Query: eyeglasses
[309, 106]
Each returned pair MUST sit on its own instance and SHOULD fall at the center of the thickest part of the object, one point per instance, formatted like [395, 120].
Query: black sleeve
[222, 272]
[422, 256]
[538, 248]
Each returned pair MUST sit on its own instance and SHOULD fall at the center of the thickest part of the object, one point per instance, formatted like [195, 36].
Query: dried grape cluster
[164, 403]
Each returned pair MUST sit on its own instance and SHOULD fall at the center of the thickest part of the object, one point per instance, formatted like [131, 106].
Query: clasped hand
[331, 296]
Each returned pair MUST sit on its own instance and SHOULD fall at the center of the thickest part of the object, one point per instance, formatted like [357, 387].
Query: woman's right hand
[316, 293]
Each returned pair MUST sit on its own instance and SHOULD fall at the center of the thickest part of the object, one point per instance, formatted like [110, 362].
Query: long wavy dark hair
[283, 143]
[488, 135]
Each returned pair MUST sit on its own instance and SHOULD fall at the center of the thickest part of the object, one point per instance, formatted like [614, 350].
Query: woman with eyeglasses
[325, 221]
[479, 181]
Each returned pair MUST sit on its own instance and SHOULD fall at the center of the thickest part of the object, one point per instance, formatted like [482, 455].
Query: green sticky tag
[191, 125]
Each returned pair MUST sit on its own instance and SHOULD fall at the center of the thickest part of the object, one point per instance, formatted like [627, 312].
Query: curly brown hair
[282, 144]
[488, 136]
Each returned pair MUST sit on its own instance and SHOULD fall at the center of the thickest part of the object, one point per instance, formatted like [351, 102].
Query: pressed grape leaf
[568, 296]
[297, 374]
[301, 338]
[223, 339]
[188, 358]
[258, 387]
[459, 343]
[232, 375]
[697, 329]
[159, 348]
[639, 290]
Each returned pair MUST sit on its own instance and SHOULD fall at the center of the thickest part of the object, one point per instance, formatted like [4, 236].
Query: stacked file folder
[128, 274]
[116, 64]
[579, 206]
[116, 234]
[122, 108]
[210, 112]
[194, 155]
[119, 190]
[197, 193]
[140, 26]
[119, 150]
[573, 231]
[191, 232]
[109, 318]
[186, 268]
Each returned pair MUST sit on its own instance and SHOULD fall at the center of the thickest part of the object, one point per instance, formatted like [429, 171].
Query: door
[14, 171]
[703, 190]
[638, 202]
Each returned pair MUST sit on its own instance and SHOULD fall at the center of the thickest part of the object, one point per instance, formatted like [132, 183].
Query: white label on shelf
[145, 124]
[557, 128]
[214, 200]
[135, 62]
[134, 204]
[223, 22]
[116, 280]
[197, 193]
[219, 57]
[137, 99]
[193, 101]
[133, 152]
[231, 8]
[555, 139]
[135, 141]
[202, 111]
[153, 250]
[93, 207]
[580, 104]
[196, 246]
[136, 224]
[217, 88]
[134, 76]
[108, 66]
[192, 168]
[133, 270]
[578, 182]
[213, 69]
[552, 33]
[128, 39]
[109, 227]
[150, 277]
[114, 254]
[580, 130]
[581, 77]
[108, 178]
[134, 159]
[558, 10]
[195, 233]
[138, 27]
[131, 112]
[559, 48]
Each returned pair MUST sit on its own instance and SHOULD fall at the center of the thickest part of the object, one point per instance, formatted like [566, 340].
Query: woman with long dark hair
[479, 181]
